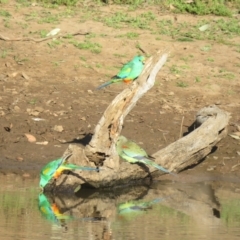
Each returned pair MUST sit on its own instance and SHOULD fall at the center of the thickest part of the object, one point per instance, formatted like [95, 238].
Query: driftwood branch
[2, 37]
[211, 126]
[102, 146]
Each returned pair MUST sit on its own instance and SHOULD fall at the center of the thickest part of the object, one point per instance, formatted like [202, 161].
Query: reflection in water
[51, 212]
[164, 211]
[131, 208]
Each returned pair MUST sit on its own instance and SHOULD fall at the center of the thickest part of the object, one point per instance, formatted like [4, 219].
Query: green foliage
[87, 44]
[121, 19]
[200, 7]
[24, 3]
[132, 35]
[3, 54]
[230, 212]
[60, 2]
[175, 69]
[43, 33]
[4, 13]
[49, 19]
[228, 26]
[182, 84]
[54, 43]
[197, 79]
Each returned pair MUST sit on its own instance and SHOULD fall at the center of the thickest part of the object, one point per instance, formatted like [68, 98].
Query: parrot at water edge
[128, 72]
[55, 168]
[131, 152]
[50, 211]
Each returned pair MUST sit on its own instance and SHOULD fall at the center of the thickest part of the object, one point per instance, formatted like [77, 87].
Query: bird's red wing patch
[124, 146]
[55, 208]
[57, 174]
[127, 81]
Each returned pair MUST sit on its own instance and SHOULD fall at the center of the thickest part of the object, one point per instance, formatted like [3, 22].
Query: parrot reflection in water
[138, 205]
[129, 72]
[132, 153]
[55, 168]
[131, 209]
[51, 212]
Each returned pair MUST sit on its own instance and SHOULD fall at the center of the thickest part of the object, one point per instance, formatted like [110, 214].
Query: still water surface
[164, 211]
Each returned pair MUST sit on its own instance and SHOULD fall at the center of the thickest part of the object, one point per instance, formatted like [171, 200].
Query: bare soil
[57, 85]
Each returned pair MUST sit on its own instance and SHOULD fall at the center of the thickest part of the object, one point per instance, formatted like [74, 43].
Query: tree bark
[211, 126]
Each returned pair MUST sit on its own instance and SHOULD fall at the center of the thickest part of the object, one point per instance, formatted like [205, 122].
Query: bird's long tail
[74, 167]
[153, 164]
[104, 85]
[114, 80]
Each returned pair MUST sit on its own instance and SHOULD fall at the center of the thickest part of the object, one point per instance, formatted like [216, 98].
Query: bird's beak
[41, 189]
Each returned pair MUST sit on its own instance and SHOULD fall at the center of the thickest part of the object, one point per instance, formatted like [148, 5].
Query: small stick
[42, 39]
[180, 134]
[164, 138]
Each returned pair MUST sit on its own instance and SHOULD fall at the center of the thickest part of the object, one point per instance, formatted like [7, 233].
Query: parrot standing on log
[55, 168]
[128, 72]
[132, 153]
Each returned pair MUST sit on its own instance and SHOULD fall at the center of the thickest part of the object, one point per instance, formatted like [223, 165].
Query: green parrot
[136, 206]
[131, 152]
[128, 72]
[50, 211]
[55, 168]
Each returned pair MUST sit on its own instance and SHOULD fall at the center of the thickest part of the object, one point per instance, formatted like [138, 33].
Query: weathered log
[210, 125]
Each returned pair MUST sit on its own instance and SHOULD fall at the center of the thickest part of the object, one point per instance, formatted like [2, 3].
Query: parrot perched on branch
[55, 168]
[128, 72]
[131, 152]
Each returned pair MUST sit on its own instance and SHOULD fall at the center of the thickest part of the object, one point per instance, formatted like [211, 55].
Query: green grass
[200, 7]
[24, 3]
[49, 19]
[186, 32]
[54, 43]
[19, 59]
[119, 55]
[122, 19]
[60, 2]
[3, 54]
[4, 13]
[182, 84]
[175, 69]
[43, 33]
[83, 58]
[132, 35]
[210, 59]
[33, 101]
[58, 63]
[31, 16]
[88, 45]
[230, 212]
[197, 79]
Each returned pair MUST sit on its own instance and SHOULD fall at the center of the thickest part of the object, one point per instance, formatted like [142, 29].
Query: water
[165, 211]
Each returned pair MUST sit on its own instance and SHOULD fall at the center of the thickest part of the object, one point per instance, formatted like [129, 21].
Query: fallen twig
[41, 39]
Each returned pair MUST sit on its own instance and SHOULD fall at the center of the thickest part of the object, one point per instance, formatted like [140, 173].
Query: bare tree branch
[211, 126]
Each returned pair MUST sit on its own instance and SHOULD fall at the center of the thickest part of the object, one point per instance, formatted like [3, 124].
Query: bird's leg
[145, 168]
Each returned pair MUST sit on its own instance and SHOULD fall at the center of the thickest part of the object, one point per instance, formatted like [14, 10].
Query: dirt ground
[56, 84]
